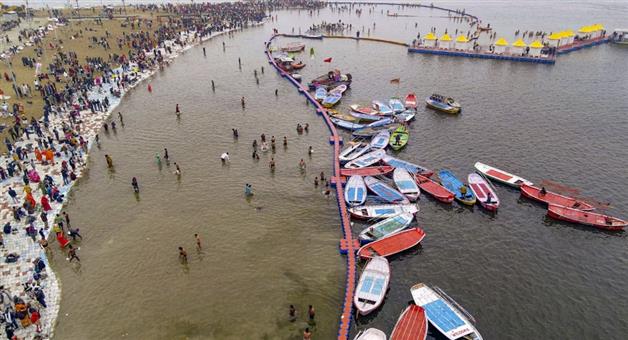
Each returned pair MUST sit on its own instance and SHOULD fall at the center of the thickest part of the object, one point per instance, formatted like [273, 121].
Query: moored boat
[330, 80]
[380, 211]
[396, 105]
[380, 140]
[382, 108]
[399, 138]
[410, 101]
[387, 227]
[368, 171]
[297, 65]
[483, 191]
[331, 99]
[363, 109]
[346, 124]
[445, 314]
[405, 116]
[501, 176]
[353, 151]
[406, 184]
[355, 191]
[342, 116]
[366, 160]
[411, 167]
[370, 334]
[441, 103]
[339, 89]
[320, 94]
[384, 191]
[549, 197]
[369, 132]
[380, 123]
[366, 117]
[586, 218]
[294, 47]
[372, 286]
[453, 184]
[411, 325]
[437, 191]
[392, 244]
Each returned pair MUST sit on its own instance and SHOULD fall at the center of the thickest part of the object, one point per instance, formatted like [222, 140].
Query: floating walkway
[481, 55]
[348, 245]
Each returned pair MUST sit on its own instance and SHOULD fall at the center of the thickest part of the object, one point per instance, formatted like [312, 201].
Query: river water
[520, 274]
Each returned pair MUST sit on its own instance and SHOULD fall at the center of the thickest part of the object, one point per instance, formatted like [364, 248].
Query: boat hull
[411, 325]
[549, 197]
[392, 244]
[368, 171]
[585, 218]
[436, 190]
[500, 176]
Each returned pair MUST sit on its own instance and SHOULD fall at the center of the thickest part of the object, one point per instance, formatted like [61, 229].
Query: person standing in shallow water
[109, 161]
[135, 185]
[198, 241]
[183, 255]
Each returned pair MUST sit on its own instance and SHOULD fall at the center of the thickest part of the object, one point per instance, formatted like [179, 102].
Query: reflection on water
[518, 273]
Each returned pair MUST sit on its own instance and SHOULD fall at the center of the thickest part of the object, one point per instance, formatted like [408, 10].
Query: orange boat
[548, 197]
[412, 324]
[431, 187]
[585, 217]
[368, 171]
[392, 244]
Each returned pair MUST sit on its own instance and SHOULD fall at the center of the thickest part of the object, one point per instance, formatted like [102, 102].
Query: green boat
[399, 138]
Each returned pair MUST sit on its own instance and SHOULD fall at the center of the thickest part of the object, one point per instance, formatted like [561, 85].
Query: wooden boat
[346, 124]
[297, 65]
[410, 101]
[482, 190]
[396, 105]
[384, 191]
[363, 109]
[370, 334]
[355, 191]
[453, 184]
[406, 116]
[437, 191]
[586, 218]
[399, 138]
[370, 132]
[367, 117]
[331, 99]
[342, 116]
[368, 171]
[339, 89]
[294, 47]
[380, 140]
[406, 184]
[444, 104]
[370, 212]
[392, 244]
[411, 167]
[366, 160]
[386, 227]
[411, 325]
[382, 108]
[330, 80]
[320, 94]
[372, 286]
[445, 314]
[353, 151]
[549, 197]
[500, 176]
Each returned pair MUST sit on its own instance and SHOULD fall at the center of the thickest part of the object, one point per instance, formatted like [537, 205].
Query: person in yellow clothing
[463, 191]
[27, 189]
[56, 229]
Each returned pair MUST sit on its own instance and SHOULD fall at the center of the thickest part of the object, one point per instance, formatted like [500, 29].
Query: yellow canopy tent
[501, 42]
[445, 37]
[462, 39]
[430, 36]
[556, 36]
[536, 44]
[519, 43]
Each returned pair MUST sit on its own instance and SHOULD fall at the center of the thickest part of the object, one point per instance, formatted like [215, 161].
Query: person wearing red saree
[45, 204]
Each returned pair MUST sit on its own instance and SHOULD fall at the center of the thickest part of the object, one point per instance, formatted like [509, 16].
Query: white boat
[382, 108]
[355, 191]
[444, 313]
[396, 105]
[501, 176]
[340, 89]
[353, 151]
[380, 211]
[384, 191]
[406, 116]
[380, 140]
[372, 286]
[366, 160]
[620, 36]
[387, 227]
[370, 334]
[406, 184]
[483, 191]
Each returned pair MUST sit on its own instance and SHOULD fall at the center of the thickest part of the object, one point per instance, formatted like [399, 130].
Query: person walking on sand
[198, 241]
[183, 255]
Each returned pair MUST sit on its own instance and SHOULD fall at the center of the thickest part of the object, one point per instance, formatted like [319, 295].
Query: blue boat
[380, 123]
[320, 94]
[380, 140]
[453, 184]
[364, 116]
[382, 108]
[355, 191]
[332, 99]
[346, 124]
[384, 191]
[396, 105]
[410, 167]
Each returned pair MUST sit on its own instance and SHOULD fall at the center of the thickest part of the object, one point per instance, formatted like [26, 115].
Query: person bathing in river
[135, 185]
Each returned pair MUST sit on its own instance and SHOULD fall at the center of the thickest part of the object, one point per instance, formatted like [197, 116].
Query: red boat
[431, 187]
[392, 244]
[548, 197]
[411, 101]
[585, 217]
[411, 325]
[368, 171]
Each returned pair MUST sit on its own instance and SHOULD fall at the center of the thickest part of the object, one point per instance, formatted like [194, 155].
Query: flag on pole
[395, 81]
[327, 60]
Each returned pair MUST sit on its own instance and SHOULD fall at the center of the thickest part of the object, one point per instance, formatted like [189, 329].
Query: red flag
[327, 60]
